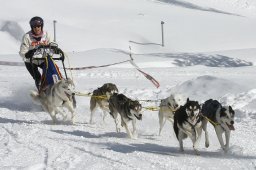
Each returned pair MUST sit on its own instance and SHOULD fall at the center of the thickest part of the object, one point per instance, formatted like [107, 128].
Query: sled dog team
[188, 117]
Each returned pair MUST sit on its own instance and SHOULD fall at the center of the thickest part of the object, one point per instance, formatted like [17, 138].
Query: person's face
[37, 29]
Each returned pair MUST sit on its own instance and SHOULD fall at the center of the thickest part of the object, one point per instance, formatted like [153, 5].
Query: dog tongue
[231, 127]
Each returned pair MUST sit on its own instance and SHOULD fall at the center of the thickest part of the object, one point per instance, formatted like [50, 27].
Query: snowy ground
[210, 53]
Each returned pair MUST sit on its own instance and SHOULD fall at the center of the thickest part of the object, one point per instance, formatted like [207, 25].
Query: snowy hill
[209, 52]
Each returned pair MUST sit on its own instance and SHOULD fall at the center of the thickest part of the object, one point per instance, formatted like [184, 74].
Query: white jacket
[29, 42]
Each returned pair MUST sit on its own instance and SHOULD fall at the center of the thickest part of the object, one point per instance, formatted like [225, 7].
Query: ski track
[28, 131]
[208, 52]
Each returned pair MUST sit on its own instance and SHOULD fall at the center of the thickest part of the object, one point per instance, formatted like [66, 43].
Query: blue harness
[51, 73]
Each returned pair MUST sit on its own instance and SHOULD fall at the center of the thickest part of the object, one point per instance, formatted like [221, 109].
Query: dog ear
[61, 80]
[69, 80]
[222, 111]
[187, 99]
[104, 85]
[115, 88]
[231, 110]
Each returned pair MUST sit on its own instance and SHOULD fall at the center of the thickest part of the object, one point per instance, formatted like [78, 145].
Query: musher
[32, 39]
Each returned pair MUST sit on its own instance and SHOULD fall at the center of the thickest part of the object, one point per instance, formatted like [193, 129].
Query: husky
[188, 123]
[60, 94]
[167, 108]
[127, 110]
[221, 117]
[100, 97]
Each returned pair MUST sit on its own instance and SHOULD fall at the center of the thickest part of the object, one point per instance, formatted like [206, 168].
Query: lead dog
[221, 117]
[127, 109]
[100, 97]
[54, 97]
[167, 108]
[187, 123]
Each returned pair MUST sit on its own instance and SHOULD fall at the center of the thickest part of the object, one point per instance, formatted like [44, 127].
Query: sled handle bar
[44, 59]
[47, 46]
[52, 47]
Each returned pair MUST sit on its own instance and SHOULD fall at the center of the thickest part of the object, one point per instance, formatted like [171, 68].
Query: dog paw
[135, 136]
[118, 130]
[207, 145]
[197, 153]
[226, 146]
[65, 118]
[54, 122]
[129, 135]
[225, 150]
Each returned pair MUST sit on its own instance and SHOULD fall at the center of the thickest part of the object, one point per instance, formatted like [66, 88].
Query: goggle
[37, 26]
[36, 23]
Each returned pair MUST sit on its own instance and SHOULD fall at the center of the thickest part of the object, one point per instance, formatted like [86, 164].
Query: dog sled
[51, 72]
[55, 92]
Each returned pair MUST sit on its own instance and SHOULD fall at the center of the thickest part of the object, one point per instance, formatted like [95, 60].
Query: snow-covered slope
[209, 52]
[113, 24]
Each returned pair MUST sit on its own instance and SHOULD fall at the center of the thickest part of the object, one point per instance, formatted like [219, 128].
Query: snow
[209, 52]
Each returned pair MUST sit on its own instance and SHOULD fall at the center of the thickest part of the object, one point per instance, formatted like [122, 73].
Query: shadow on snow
[195, 7]
[149, 147]
[189, 59]
[192, 59]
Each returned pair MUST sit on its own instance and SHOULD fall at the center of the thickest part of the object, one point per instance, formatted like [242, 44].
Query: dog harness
[198, 120]
[212, 122]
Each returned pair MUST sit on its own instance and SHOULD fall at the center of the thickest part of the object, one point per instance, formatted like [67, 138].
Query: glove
[58, 51]
[62, 57]
[30, 53]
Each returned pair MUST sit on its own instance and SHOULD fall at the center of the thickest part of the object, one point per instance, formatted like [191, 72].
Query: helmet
[36, 21]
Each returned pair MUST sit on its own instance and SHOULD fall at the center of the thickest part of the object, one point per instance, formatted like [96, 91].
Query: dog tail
[35, 97]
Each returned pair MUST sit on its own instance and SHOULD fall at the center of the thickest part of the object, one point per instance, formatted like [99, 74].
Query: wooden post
[162, 28]
[54, 29]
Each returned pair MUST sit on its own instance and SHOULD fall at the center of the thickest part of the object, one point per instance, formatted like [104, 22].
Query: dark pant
[34, 72]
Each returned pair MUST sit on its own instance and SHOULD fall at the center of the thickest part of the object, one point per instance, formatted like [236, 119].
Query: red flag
[149, 77]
